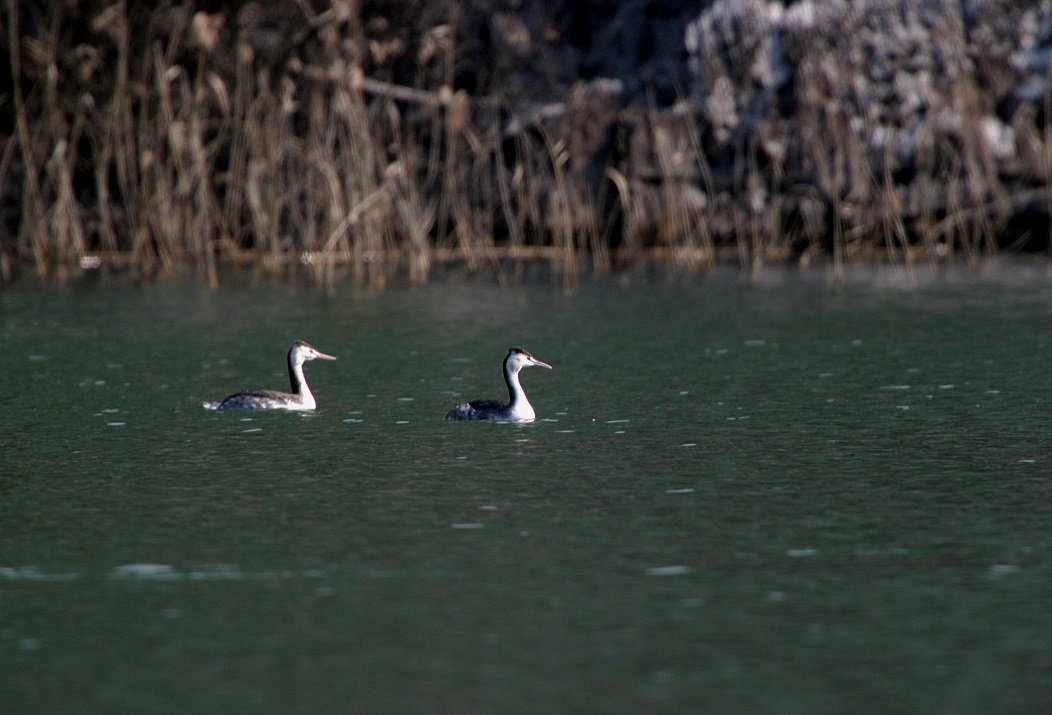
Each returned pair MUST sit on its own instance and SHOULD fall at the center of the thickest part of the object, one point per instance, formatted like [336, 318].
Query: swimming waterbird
[299, 399]
[517, 409]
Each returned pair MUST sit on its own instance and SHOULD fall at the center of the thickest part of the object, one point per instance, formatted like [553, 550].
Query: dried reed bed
[150, 139]
[315, 168]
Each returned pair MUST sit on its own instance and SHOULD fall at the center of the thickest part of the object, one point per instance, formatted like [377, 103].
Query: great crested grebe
[299, 399]
[517, 409]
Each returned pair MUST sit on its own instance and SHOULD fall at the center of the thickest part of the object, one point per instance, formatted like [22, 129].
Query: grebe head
[301, 352]
[519, 358]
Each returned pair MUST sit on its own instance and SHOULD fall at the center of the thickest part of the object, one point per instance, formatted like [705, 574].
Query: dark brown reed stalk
[742, 240]
[757, 205]
[559, 210]
[326, 241]
[629, 245]
[32, 219]
[838, 242]
[527, 181]
[6, 160]
[675, 226]
[65, 226]
[362, 164]
[456, 204]
[102, 149]
[924, 195]
[259, 118]
[205, 212]
[116, 140]
[952, 238]
[700, 216]
[598, 233]
[329, 204]
[892, 227]
[1046, 146]
[209, 92]
[505, 181]
[979, 167]
[239, 123]
[166, 165]
[402, 194]
[417, 218]
[296, 182]
[862, 205]
[64, 222]
[485, 165]
[471, 242]
[268, 139]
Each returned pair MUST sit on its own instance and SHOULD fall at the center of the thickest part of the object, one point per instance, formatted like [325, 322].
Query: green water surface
[776, 498]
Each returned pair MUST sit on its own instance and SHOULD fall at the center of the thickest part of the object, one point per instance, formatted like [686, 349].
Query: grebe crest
[517, 408]
[299, 399]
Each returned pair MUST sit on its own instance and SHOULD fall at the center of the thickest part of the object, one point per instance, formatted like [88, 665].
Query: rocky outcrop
[317, 131]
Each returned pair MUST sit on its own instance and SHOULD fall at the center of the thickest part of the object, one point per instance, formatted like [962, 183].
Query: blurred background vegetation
[380, 140]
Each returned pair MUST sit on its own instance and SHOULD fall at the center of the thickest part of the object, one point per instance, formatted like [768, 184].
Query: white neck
[299, 385]
[520, 407]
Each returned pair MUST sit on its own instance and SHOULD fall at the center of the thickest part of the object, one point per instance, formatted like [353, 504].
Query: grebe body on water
[299, 399]
[517, 408]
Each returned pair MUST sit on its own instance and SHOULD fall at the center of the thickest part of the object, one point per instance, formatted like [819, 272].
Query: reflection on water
[782, 497]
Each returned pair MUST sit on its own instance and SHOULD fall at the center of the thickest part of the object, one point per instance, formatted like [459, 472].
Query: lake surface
[784, 497]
